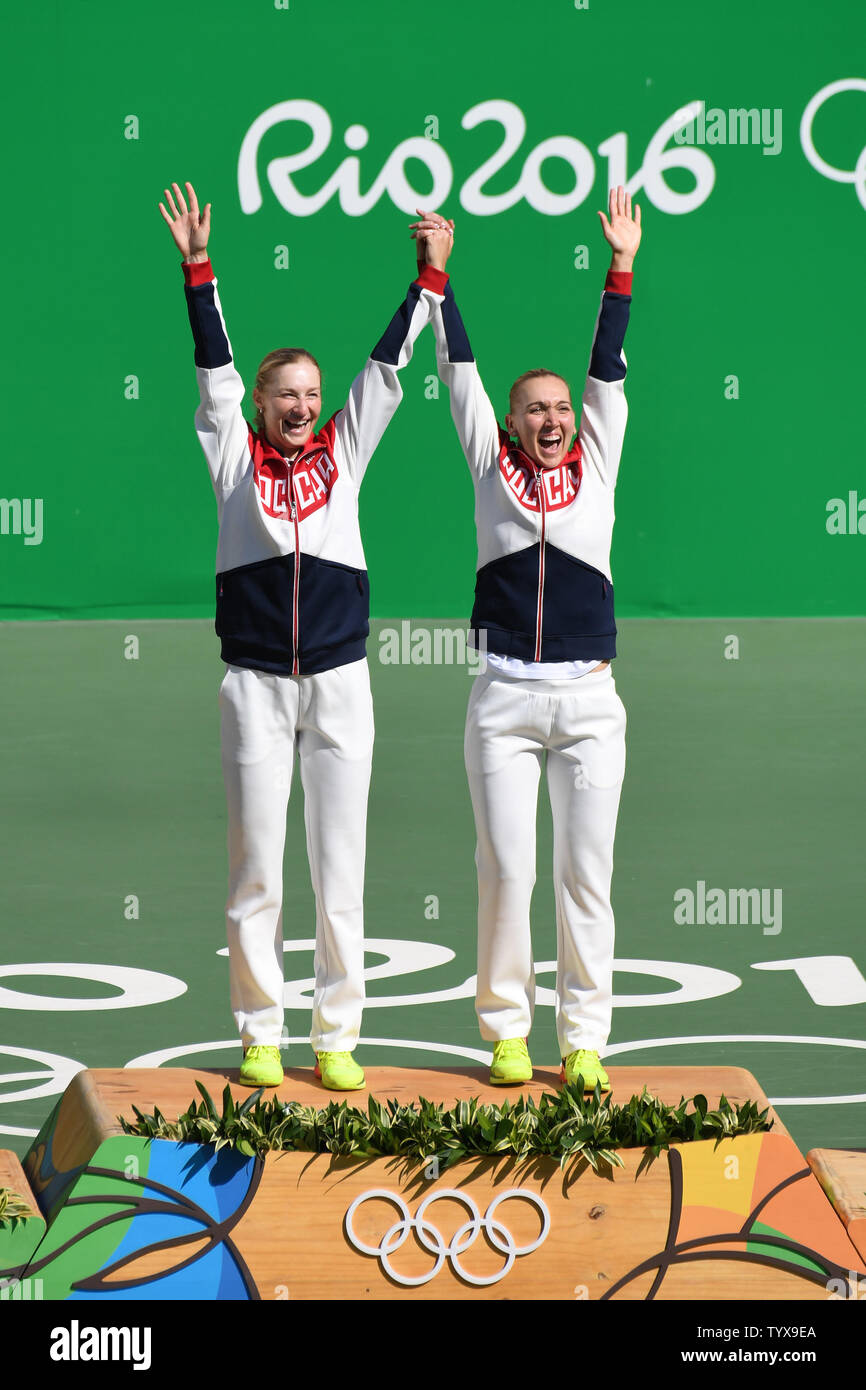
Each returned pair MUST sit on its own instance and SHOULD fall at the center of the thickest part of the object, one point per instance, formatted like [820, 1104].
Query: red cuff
[429, 278]
[619, 281]
[197, 272]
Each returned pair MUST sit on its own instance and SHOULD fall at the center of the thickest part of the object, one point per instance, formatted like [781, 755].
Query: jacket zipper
[540, 606]
[296, 584]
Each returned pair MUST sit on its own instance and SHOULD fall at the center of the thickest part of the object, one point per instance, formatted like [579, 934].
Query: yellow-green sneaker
[338, 1071]
[511, 1065]
[261, 1067]
[587, 1065]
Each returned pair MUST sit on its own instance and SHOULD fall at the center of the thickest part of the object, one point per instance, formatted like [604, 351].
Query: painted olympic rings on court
[857, 175]
[432, 1240]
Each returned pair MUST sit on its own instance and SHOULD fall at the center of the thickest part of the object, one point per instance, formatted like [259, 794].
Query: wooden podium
[125, 1217]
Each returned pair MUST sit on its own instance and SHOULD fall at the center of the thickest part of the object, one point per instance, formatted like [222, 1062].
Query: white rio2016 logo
[857, 175]
[430, 1237]
[345, 181]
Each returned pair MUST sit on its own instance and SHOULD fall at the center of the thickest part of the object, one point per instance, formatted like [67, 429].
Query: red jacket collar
[265, 450]
[574, 455]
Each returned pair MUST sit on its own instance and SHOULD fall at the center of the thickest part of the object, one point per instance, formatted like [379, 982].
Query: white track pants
[581, 725]
[328, 719]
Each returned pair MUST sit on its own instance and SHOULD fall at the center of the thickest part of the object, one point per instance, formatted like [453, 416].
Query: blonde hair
[280, 357]
[528, 376]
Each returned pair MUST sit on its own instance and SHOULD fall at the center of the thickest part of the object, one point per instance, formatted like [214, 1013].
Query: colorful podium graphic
[125, 1217]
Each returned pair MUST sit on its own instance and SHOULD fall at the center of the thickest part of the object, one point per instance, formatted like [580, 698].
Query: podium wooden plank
[842, 1174]
[12, 1175]
[88, 1112]
[110, 1093]
[17, 1242]
[83, 1117]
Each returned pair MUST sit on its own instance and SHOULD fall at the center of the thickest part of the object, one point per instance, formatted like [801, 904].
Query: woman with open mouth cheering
[543, 613]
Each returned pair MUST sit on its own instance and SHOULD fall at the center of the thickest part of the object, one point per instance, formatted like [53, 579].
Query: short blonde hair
[528, 376]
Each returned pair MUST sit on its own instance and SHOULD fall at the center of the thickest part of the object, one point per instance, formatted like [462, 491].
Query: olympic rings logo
[857, 175]
[432, 1240]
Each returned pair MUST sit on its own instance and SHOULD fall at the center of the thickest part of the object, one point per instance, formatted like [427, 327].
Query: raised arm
[471, 410]
[355, 431]
[219, 421]
[604, 408]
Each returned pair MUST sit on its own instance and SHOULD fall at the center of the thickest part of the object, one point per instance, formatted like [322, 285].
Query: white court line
[857, 1099]
[168, 1054]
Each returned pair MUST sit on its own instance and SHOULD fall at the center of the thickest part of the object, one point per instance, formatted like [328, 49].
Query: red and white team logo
[560, 484]
[310, 481]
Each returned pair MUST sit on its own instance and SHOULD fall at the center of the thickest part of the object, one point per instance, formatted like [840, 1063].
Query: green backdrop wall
[746, 342]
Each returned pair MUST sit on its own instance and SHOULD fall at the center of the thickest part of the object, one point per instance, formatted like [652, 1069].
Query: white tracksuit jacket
[292, 589]
[543, 588]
